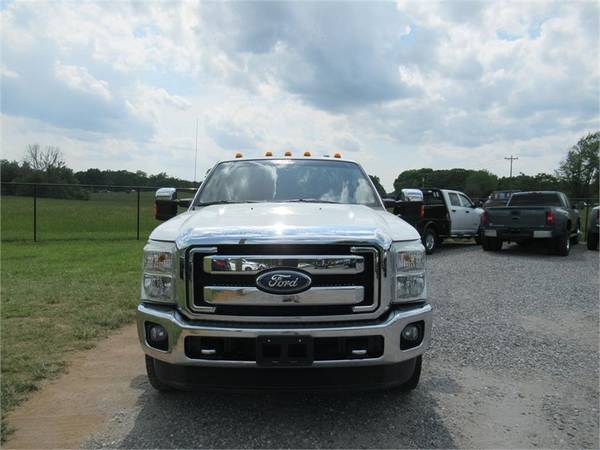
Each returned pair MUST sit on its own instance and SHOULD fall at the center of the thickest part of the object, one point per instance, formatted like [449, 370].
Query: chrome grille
[221, 280]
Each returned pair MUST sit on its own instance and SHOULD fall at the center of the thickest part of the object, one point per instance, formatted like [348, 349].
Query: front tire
[491, 244]
[430, 240]
[413, 382]
[155, 382]
[592, 241]
[562, 245]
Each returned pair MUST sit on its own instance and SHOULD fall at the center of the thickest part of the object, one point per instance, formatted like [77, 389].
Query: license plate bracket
[283, 351]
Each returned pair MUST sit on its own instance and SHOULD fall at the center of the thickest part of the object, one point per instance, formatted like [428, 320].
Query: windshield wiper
[310, 200]
[225, 202]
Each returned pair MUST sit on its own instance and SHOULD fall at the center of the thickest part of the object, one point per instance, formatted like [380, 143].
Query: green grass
[74, 286]
[57, 297]
[62, 295]
[109, 215]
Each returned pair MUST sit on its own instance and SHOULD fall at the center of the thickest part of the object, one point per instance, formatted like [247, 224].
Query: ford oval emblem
[283, 281]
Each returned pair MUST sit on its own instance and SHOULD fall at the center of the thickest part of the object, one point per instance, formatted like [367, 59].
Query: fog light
[157, 336]
[410, 333]
[157, 333]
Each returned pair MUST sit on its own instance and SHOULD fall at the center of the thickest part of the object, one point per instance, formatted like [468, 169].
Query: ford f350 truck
[283, 273]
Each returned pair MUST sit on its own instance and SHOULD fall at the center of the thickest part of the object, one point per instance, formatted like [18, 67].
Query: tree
[9, 170]
[91, 176]
[522, 182]
[447, 179]
[579, 170]
[377, 182]
[480, 183]
[413, 178]
[44, 160]
[46, 166]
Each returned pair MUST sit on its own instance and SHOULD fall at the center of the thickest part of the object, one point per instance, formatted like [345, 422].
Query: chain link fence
[41, 211]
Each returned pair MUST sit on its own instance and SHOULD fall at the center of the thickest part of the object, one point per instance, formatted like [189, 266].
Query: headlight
[409, 269]
[158, 261]
[159, 272]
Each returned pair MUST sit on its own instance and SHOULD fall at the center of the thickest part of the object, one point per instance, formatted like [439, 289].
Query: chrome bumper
[178, 327]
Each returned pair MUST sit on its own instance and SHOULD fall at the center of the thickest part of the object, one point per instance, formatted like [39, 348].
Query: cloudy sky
[393, 85]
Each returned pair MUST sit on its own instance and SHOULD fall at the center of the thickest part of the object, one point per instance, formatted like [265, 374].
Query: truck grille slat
[219, 284]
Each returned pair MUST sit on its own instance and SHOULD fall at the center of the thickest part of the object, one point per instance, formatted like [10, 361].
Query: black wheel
[496, 244]
[155, 382]
[485, 244]
[491, 244]
[562, 245]
[413, 382]
[575, 239]
[430, 240]
[477, 239]
[592, 241]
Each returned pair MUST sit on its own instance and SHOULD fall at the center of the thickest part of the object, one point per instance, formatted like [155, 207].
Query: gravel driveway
[514, 363]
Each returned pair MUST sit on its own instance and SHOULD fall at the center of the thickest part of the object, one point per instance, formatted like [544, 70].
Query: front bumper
[302, 379]
[178, 328]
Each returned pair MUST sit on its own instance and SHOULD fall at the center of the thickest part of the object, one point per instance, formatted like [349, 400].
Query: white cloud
[441, 84]
[80, 79]
[6, 72]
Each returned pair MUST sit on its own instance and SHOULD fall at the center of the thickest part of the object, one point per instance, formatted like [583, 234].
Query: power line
[511, 159]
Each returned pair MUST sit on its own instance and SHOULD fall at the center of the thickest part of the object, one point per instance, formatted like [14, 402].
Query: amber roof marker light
[307, 154]
[288, 153]
[268, 153]
[239, 155]
[337, 155]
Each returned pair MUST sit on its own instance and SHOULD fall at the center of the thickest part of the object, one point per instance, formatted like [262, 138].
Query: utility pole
[511, 159]
[196, 153]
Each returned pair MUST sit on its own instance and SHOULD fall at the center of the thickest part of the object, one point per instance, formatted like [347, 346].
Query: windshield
[535, 199]
[287, 180]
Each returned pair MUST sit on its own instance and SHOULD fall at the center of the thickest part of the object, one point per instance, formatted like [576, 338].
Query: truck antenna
[196, 152]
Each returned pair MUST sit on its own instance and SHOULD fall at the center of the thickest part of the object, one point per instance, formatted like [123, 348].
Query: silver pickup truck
[284, 272]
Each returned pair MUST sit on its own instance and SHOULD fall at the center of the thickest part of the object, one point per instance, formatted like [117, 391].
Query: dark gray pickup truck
[532, 215]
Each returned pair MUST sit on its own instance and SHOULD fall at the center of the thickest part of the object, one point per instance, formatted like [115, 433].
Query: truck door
[457, 214]
[471, 214]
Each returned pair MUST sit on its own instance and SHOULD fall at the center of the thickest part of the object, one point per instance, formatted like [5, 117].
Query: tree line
[577, 176]
[47, 165]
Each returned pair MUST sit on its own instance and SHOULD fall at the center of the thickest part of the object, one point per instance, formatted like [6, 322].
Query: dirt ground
[99, 385]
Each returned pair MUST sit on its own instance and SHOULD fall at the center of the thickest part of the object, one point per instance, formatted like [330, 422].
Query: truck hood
[247, 223]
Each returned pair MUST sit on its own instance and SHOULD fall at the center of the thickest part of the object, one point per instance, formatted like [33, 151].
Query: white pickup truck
[283, 273]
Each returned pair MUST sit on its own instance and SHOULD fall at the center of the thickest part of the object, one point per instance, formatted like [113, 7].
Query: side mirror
[184, 202]
[389, 202]
[165, 201]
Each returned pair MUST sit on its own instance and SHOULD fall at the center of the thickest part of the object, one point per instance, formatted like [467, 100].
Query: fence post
[35, 212]
[138, 214]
